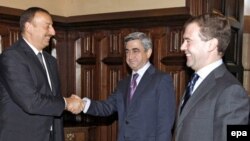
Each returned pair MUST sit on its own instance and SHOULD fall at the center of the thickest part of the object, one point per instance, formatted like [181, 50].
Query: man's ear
[149, 52]
[28, 27]
[213, 44]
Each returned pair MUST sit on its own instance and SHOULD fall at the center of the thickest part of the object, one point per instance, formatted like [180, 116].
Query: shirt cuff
[65, 102]
[87, 102]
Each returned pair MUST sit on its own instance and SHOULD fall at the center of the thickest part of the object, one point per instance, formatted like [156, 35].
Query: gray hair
[145, 40]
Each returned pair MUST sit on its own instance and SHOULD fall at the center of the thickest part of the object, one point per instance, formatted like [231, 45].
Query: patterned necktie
[189, 89]
[39, 55]
[133, 84]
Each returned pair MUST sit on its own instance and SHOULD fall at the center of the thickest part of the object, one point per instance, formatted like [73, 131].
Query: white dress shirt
[204, 72]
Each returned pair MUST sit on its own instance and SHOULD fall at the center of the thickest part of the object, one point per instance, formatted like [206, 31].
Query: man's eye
[187, 41]
[136, 51]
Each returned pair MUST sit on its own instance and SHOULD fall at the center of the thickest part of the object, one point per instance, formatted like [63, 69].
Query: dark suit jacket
[28, 107]
[149, 116]
[218, 101]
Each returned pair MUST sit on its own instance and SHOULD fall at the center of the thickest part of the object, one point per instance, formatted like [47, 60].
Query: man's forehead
[191, 29]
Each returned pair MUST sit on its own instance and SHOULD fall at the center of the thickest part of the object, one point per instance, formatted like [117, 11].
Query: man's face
[136, 56]
[40, 30]
[195, 49]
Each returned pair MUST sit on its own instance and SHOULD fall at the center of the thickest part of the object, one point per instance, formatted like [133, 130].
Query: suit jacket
[28, 107]
[149, 116]
[218, 101]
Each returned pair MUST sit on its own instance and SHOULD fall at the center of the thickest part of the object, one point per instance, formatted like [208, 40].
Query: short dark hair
[213, 25]
[29, 14]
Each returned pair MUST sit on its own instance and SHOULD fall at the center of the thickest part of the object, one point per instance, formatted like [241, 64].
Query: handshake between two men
[74, 104]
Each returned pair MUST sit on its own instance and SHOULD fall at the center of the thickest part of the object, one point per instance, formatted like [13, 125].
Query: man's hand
[74, 104]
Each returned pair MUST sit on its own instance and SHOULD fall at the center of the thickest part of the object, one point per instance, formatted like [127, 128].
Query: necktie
[189, 89]
[39, 55]
[133, 85]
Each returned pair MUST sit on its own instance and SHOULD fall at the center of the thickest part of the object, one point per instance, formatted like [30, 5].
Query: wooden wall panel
[57, 48]
[8, 35]
[233, 56]
[246, 24]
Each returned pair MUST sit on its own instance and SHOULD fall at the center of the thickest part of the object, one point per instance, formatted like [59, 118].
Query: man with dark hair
[214, 98]
[31, 103]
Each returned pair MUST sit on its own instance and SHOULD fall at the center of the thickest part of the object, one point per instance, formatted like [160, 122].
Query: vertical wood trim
[197, 7]
[246, 24]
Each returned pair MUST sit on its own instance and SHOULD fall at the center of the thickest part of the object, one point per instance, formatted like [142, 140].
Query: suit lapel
[51, 75]
[30, 53]
[203, 89]
[144, 82]
[199, 93]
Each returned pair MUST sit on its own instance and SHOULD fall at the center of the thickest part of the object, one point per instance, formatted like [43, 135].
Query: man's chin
[46, 45]
[188, 64]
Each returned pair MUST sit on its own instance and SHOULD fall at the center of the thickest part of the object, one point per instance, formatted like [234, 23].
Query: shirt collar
[142, 70]
[36, 51]
[204, 72]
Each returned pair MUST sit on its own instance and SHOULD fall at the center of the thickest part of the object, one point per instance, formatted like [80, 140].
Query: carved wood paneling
[57, 49]
[175, 41]
[197, 7]
[233, 56]
[4, 38]
[234, 9]
[216, 6]
[8, 36]
[79, 134]
[111, 47]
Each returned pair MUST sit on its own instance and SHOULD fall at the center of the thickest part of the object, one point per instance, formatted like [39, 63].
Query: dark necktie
[189, 89]
[133, 84]
[39, 55]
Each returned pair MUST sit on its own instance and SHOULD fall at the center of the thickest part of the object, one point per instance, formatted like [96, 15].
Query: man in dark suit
[148, 114]
[217, 98]
[30, 99]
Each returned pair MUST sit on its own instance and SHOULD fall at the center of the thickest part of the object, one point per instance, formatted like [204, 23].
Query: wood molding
[154, 14]
[246, 28]
[129, 15]
[196, 7]
[9, 15]
[113, 60]
[10, 11]
[86, 60]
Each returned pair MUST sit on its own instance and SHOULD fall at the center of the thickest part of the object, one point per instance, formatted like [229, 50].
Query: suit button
[126, 122]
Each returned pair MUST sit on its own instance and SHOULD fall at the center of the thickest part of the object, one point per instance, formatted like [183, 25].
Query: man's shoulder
[15, 47]
[157, 71]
